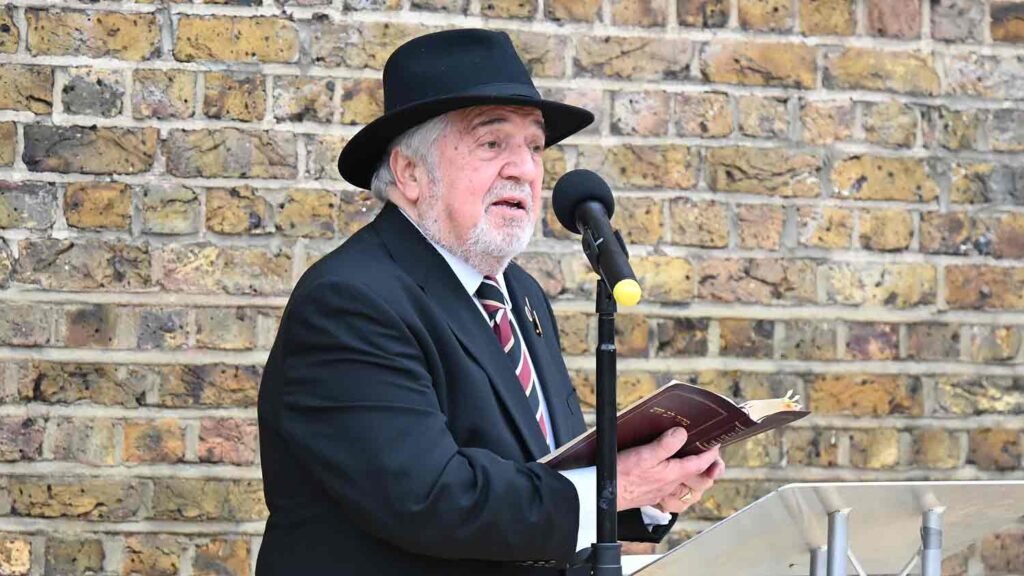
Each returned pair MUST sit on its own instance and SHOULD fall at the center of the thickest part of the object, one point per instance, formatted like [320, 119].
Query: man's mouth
[511, 203]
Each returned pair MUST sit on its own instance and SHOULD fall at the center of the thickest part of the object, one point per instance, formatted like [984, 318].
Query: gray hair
[418, 142]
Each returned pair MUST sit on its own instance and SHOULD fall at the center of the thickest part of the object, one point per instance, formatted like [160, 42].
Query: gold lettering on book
[670, 414]
[723, 437]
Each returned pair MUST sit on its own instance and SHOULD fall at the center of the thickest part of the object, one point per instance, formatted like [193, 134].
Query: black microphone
[583, 203]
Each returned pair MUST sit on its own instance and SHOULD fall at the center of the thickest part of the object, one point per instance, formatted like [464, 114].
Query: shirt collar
[469, 277]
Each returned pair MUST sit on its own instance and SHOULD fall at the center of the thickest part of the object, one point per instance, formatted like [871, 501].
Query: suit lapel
[430, 270]
[544, 353]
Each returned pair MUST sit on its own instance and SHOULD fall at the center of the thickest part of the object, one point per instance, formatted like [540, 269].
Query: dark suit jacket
[394, 435]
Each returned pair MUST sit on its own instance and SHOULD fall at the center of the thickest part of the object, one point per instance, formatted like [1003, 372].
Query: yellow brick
[760, 64]
[769, 15]
[827, 17]
[9, 32]
[573, 10]
[774, 171]
[633, 58]
[105, 205]
[824, 227]
[28, 88]
[883, 178]
[886, 230]
[828, 121]
[1007, 21]
[93, 34]
[236, 39]
[638, 166]
[886, 70]
[639, 12]
[235, 96]
[8, 141]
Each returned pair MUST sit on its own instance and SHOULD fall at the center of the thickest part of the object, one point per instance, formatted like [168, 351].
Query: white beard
[487, 249]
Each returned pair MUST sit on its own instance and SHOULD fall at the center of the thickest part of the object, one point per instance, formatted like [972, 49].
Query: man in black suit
[417, 375]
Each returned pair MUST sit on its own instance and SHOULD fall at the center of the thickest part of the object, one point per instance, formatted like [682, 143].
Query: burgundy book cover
[709, 419]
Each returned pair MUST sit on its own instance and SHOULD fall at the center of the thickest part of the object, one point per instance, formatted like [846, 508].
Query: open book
[710, 419]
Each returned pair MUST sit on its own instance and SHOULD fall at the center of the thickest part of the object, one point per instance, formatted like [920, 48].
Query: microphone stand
[606, 559]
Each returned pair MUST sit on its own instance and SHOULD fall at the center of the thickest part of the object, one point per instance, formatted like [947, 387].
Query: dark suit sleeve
[359, 409]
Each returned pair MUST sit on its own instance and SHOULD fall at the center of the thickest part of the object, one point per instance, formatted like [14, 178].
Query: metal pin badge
[532, 315]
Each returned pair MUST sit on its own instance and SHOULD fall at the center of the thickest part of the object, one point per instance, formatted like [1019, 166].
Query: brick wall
[821, 195]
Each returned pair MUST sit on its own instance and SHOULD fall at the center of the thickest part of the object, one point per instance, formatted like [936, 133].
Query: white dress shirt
[584, 479]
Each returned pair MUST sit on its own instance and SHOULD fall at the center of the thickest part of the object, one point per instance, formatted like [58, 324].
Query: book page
[759, 409]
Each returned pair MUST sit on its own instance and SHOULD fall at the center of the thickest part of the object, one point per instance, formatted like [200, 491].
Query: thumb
[668, 444]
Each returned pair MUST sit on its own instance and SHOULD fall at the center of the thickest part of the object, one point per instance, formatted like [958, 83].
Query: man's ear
[409, 179]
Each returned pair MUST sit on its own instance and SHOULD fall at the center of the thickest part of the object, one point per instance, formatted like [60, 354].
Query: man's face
[486, 201]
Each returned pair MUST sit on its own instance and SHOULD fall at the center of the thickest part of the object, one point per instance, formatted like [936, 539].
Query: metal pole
[818, 561]
[607, 560]
[837, 542]
[931, 543]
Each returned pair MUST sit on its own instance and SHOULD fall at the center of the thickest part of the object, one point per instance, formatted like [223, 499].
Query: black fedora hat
[445, 71]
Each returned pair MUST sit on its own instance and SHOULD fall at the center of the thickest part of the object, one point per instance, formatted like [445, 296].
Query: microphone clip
[592, 249]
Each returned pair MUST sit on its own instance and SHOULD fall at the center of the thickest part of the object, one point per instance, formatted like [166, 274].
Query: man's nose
[522, 164]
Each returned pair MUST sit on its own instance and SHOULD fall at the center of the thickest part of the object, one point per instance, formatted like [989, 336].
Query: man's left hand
[688, 493]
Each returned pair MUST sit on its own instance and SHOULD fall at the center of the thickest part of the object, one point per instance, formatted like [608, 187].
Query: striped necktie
[492, 298]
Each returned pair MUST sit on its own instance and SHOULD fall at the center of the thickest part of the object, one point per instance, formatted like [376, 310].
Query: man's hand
[648, 475]
[690, 491]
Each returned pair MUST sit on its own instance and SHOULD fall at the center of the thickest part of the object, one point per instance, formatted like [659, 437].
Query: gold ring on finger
[686, 497]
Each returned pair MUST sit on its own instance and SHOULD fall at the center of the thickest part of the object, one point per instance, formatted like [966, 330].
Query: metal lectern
[863, 528]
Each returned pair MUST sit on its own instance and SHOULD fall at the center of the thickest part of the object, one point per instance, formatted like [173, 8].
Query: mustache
[520, 191]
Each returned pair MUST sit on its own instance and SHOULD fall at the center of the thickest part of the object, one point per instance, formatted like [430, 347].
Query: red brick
[763, 281]
[894, 18]
[984, 287]
[872, 341]
[1000, 553]
[21, 438]
[682, 337]
[229, 441]
[760, 226]
[995, 449]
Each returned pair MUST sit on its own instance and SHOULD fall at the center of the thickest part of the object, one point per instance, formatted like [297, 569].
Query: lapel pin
[532, 315]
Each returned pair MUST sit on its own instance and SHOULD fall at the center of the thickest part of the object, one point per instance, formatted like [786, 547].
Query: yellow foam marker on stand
[627, 292]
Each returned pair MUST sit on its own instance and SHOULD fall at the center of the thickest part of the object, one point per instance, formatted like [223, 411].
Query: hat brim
[361, 155]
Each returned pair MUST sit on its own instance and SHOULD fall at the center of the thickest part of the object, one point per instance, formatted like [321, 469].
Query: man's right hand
[648, 474]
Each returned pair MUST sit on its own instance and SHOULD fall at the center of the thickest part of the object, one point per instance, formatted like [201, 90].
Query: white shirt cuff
[654, 517]
[585, 481]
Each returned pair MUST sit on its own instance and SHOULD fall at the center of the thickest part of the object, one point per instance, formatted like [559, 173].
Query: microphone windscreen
[576, 187]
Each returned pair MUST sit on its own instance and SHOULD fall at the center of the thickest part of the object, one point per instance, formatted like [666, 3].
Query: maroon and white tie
[493, 300]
